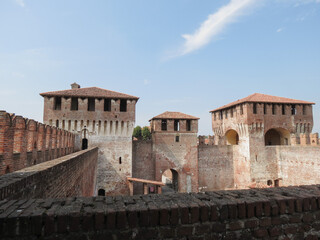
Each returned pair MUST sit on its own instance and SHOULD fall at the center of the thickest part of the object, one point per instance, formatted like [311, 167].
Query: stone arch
[170, 178]
[232, 137]
[277, 136]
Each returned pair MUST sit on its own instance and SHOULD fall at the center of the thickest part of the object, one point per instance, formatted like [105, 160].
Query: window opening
[226, 113]
[283, 109]
[74, 104]
[164, 124]
[84, 144]
[264, 108]
[293, 109]
[101, 192]
[241, 109]
[273, 109]
[57, 123]
[269, 182]
[69, 125]
[91, 104]
[221, 115]
[63, 124]
[57, 103]
[76, 125]
[123, 105]
[189, 125]
[176, 125]
[231, 112]
[254, 108]
[177, 138]
[107, 105]
[120, 162]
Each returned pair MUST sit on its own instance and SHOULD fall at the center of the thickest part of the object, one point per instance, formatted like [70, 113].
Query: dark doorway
[101, 192]
[170, 178]
[84, 143]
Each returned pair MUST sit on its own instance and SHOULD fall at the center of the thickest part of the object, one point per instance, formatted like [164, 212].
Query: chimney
[75, 85]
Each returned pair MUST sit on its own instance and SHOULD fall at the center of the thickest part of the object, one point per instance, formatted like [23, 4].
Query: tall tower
[258, 121]
[102, 118]
[174, 137]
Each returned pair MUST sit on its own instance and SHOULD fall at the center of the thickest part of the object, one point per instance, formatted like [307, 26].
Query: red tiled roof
[174, 115]
[263, 98]
[89, 92]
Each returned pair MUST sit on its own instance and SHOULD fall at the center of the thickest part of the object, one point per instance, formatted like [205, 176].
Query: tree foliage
[137, 132]
[146, 134]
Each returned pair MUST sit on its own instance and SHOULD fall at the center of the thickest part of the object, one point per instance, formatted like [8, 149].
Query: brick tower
[102, 118]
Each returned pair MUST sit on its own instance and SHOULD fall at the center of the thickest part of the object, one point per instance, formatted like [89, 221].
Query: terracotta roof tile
[89, 92]
[174, 115]
[262, 98]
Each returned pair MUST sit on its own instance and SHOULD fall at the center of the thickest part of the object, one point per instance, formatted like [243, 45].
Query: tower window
[188, 125]
[293, 109]
[123, 105]
[91, 104]
[57, 103]
[176, 125]
[164, 124]
[241, 109]
[254, 108]
[177, 139]
[107, 105]
[120, 161]
[74, 103]
[283, 109]
[273, 109]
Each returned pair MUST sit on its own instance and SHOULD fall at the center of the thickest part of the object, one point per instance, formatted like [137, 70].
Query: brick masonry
[68, 176]
[25, 142]
[277, 213]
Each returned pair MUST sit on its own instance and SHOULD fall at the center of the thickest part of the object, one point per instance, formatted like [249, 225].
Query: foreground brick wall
[25, 142]
[71, 175]
[278, 213]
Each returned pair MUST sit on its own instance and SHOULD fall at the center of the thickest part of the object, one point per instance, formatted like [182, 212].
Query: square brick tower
[102, 118]
[256, 122]
[174, 137]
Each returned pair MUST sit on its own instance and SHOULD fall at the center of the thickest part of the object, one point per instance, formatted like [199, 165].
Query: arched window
[232, 137]
[277, 136]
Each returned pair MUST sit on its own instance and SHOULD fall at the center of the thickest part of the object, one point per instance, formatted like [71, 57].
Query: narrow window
[231, 112]
[69, 125]
[177, 139]
[221, 115]
[74, 104]
[226, 113]
[123, 105]
[76, 125]
[188, 125]
[265, 108]
[283, 109]
[120, 161]
[57, 123]
[241, 109]
[293, 109]
[93, 126]
[254, 108]
[107, 105]
[164, 124]
[273, 109]
[57, 103]
[304, 112]
[176, 125]
[91, 104]
[63, 124]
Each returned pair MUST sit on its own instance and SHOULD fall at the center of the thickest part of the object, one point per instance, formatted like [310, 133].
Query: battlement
[274, 213]
[206, 140]
[26, 142]
[311, 139]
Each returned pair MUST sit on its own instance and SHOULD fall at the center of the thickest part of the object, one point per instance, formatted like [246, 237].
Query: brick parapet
[71, 175]
[21, 137]
[278, 213]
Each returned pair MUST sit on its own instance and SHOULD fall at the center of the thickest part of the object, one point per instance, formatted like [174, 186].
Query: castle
[49, 186]
[258, 142]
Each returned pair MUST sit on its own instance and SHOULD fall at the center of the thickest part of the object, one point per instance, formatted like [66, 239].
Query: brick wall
[143, 165]
[277, 213]
[25, 142]
[71, 175]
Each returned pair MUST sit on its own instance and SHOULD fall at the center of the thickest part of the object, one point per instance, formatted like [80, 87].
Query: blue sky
[176, 55]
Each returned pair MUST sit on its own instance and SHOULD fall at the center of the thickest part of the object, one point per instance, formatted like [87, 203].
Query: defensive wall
[68, 176]
[275, 213]
[25, 142]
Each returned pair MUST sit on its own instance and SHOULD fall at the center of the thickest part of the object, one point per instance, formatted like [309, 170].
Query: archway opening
[101, 192]
[84, 144]
[232, 137]
[170, 178]
[277, 136]
[7, 170]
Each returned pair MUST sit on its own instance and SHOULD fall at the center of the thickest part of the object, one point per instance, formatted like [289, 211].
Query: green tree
[137, 132]
[146, 134]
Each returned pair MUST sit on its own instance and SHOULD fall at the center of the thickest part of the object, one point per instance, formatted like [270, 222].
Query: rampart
[68, 176]
[25, 142]
[275, 213]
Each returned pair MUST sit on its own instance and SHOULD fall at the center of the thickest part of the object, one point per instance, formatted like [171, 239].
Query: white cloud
[214, 25]
[20, 3]
[279, 30]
